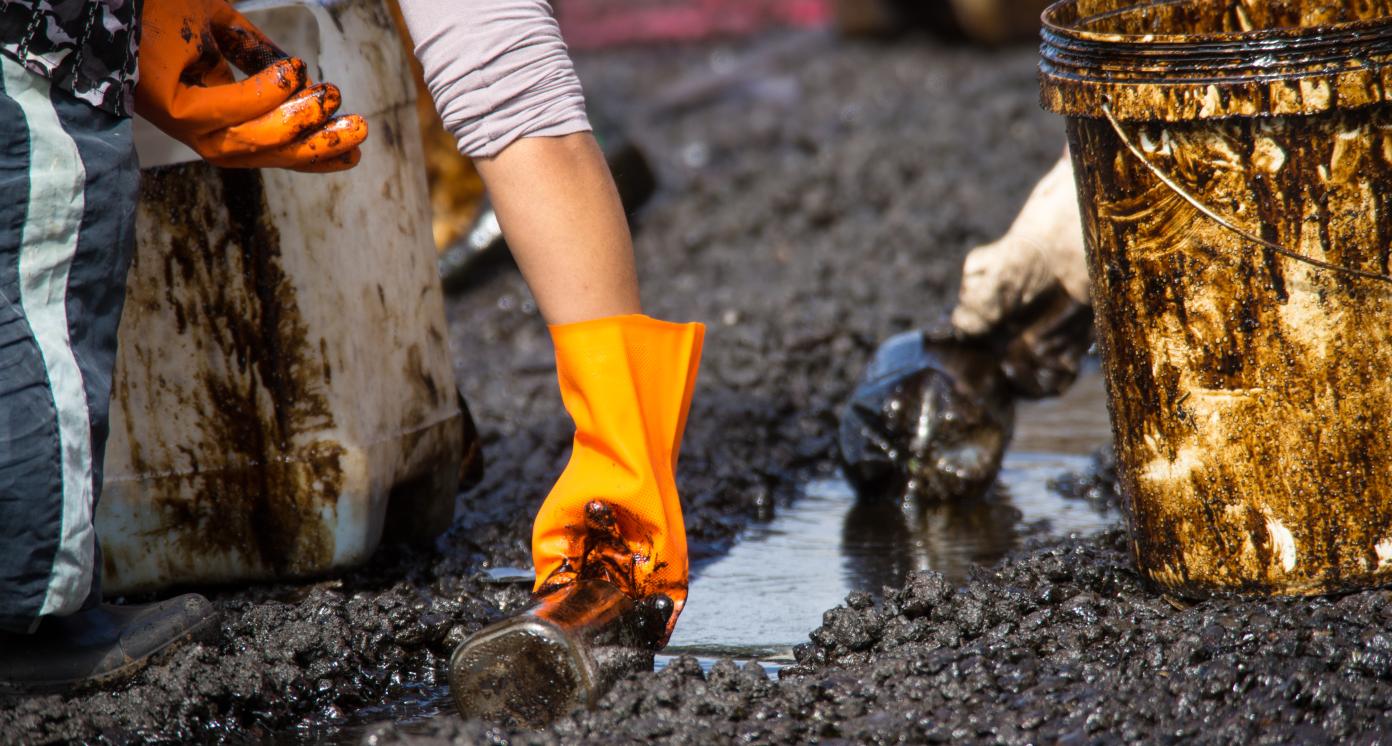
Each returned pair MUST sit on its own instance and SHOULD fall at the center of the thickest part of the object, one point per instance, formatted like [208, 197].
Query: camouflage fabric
[87, 47]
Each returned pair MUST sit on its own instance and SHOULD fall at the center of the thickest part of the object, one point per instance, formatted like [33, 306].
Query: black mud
[810, 215]
[1060, 644]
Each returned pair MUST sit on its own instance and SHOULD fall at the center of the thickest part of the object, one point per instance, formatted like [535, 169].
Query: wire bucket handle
[1213, 215]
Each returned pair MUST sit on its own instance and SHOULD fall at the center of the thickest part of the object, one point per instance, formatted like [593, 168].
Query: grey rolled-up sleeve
[497, 69]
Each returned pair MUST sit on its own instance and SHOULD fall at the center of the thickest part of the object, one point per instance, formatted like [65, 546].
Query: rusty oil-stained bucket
[284, 395]
[1234, 164]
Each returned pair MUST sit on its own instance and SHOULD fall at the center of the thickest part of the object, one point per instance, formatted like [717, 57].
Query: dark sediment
[823, 208]
[1060, 644]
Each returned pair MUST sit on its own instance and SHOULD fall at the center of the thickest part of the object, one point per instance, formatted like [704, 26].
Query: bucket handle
[1174, 186]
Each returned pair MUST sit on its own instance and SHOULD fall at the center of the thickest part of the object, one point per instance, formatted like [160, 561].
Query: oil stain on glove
[271, 119]
[627, 382]
[609, 543]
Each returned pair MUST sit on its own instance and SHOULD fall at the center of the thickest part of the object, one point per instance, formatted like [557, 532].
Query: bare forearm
[561, 214]
[505, 87]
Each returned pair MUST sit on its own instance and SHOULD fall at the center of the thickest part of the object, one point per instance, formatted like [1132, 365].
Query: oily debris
[929, 421]
[1059, 644]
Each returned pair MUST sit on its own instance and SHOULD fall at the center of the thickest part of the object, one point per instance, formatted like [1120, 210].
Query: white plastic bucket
[284, 386]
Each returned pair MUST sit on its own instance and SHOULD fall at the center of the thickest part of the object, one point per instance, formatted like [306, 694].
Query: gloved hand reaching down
[1042, 250]
[1029, 290]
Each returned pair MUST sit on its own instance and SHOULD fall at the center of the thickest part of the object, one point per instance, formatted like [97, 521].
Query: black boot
[101, 645]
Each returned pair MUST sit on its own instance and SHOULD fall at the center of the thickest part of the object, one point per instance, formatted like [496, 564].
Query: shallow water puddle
[770, 590]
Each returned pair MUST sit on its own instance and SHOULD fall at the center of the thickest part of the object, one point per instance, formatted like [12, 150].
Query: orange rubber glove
[614, 513]
[268, 120]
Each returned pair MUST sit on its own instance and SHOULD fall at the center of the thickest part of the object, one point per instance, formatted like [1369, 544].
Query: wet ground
[808, 215]
[827, 544]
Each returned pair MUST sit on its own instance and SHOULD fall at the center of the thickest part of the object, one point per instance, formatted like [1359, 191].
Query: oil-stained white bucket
[284, 386]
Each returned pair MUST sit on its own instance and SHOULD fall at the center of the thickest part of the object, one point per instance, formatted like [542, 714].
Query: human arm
[1041, 252]
[558, 207]
[505, 87]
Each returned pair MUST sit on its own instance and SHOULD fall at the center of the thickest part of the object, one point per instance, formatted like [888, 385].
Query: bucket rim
[1050, 23]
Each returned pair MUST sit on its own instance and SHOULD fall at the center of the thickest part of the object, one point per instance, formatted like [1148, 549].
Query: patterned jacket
[87, 47]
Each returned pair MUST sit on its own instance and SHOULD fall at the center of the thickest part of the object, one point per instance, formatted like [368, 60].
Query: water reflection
[772, 587]
[883, 541]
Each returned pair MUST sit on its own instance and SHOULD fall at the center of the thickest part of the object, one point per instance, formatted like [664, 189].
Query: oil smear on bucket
[259, 408]
[1235, 176]
[284, 397]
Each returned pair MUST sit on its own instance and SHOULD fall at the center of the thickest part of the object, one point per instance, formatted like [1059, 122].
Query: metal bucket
[1234, 166]
[284, 391]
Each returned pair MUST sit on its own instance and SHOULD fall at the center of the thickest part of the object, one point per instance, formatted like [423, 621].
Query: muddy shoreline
[809, 215]
[1060, 644]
